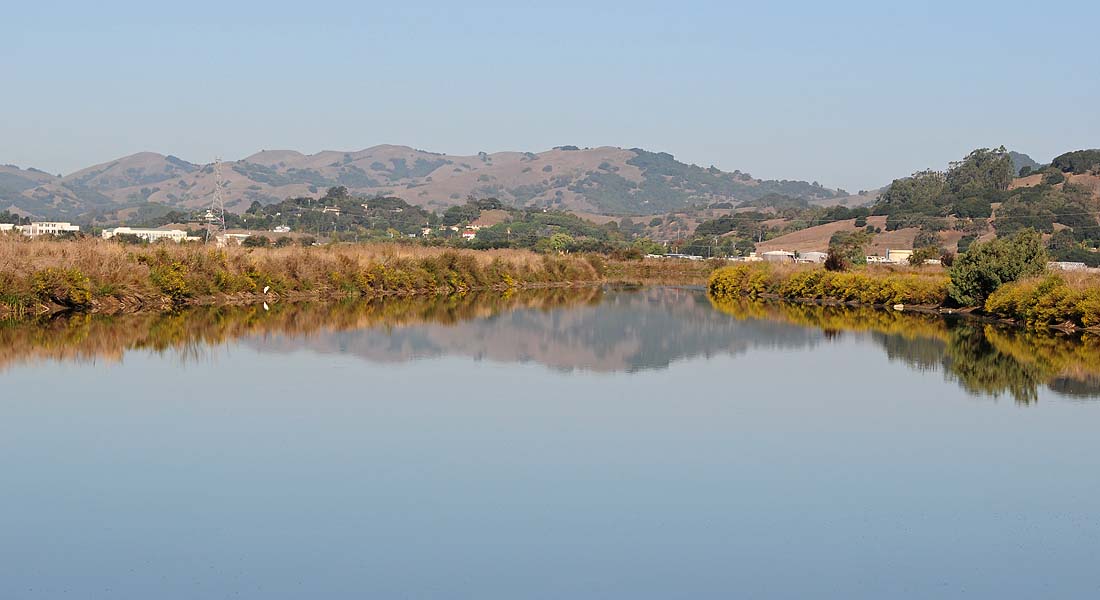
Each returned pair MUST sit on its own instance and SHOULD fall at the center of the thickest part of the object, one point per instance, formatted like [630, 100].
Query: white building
[149, 235]
[281, 229]
[5, 227]
[812, 257]
[469, 234]
[1067, 266]
[778, 256]
[232, 238]
[49, 228]
[898, 257]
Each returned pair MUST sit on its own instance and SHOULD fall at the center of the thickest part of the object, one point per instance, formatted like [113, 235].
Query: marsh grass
[90, 274]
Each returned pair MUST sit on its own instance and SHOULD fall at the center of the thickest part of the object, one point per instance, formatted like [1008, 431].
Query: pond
[597, 443]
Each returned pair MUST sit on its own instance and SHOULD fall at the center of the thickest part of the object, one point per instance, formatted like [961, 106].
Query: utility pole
[217, 205]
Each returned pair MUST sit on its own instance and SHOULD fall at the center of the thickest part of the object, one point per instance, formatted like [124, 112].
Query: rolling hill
[604, 180]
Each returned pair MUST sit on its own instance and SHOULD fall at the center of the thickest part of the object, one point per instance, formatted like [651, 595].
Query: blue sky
[850, 94]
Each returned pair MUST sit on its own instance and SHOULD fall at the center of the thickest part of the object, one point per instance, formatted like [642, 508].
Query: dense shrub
[1078, 161]
[65, 287]
[1053, 177]
[1047, 300]
[986, 266]
[171, 279]
[868, 287]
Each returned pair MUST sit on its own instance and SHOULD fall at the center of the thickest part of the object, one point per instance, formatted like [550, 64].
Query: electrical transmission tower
[215, 216]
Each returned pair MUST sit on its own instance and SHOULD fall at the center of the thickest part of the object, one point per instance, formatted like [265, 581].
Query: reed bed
[42, 275]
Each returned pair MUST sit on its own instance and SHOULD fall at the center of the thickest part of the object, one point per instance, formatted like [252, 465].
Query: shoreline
[1049, 302]
[42, 278]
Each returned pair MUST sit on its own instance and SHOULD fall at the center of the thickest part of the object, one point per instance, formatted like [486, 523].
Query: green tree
[924, 254]
[982, 170]
[256, 241]
[1078, 161]
[986, 266]
[926, 239]
[849, 246]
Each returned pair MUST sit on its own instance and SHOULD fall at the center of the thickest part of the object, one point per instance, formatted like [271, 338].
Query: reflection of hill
[983, 359]
[627, 331]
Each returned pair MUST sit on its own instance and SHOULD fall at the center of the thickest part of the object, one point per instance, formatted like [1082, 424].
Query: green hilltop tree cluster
[966, 190]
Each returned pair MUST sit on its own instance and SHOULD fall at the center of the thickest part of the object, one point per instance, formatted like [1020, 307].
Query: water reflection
[984, 359]
[600, 330]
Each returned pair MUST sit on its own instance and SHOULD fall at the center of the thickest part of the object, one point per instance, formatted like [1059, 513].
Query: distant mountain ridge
[605, 180]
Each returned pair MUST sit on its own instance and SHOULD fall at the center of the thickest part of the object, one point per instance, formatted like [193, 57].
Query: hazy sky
[850, 94]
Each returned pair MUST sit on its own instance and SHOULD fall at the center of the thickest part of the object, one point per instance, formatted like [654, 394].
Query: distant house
[469, 234]
[778, 256]
[898, 257]
[232, 238]
[1067, 266]
[49, 228]
[149, 235]
[873, 260]
[425, 231]
[7, 227]
[281, 229]
[812, 257]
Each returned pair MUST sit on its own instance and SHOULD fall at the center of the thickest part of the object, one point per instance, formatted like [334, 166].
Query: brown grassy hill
[816, 239]
[604, 180]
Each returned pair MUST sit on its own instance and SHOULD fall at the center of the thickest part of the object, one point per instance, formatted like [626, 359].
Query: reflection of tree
[980, 367]
[982, 358]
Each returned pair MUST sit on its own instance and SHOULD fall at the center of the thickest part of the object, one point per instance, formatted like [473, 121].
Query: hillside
[603, 180]
[976, 199]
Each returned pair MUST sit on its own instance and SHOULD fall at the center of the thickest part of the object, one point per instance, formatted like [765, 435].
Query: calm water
[611, 444]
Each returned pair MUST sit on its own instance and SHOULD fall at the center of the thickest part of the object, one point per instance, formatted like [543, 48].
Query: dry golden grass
[40, 275]
[98, 274]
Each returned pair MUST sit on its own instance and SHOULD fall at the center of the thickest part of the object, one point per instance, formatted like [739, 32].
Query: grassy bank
[95, 275]
[42, 276]
[883, 286]
[1067, 300]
